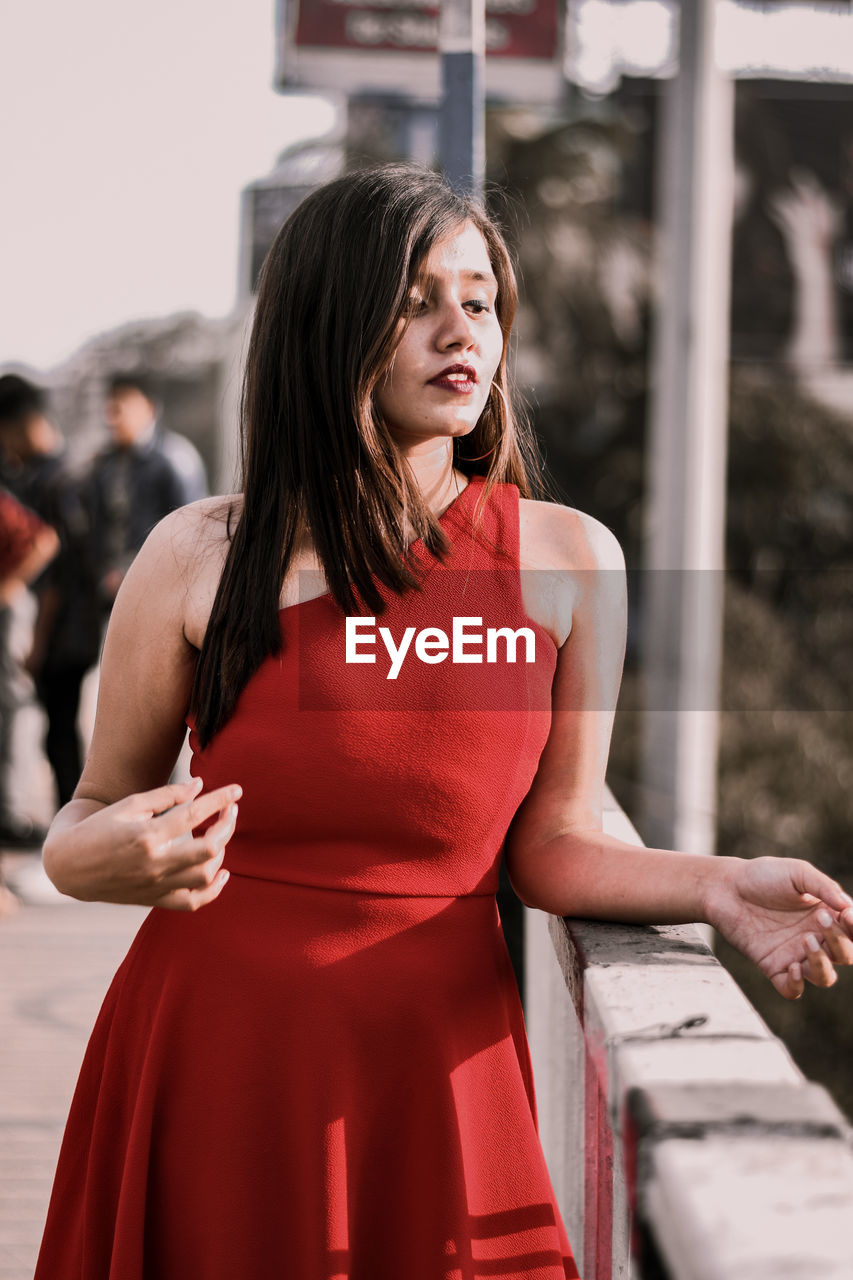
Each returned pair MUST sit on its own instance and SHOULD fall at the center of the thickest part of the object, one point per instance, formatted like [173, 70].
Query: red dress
[324, 1074]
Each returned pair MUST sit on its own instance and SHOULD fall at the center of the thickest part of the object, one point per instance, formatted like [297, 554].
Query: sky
[127, 132]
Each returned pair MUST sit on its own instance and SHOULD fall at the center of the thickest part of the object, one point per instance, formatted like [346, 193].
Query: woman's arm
[559, 859]
[126, 836]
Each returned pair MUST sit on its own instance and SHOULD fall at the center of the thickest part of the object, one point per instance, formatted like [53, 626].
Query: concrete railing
[683, 1142]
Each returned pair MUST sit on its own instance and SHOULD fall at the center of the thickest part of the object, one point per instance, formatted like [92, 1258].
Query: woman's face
[439, 379]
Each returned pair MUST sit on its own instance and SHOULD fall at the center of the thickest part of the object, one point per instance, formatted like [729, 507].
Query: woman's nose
[455, 328]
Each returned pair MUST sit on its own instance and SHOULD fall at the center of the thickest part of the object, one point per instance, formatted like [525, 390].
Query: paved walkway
[56, 961]
[57, 957]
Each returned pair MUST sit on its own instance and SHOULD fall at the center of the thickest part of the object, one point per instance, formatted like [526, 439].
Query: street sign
[514, 28]
[391, 46]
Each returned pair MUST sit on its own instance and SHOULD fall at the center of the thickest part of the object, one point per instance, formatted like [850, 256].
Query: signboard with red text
[391, 46]
[514, 28]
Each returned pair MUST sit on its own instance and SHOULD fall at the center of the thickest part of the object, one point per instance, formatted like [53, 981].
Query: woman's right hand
[142, 850]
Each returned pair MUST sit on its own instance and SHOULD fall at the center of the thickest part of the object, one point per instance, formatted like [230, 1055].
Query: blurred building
[192, 362]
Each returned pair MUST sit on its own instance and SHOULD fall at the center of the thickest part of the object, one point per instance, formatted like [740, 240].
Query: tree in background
[576, 192]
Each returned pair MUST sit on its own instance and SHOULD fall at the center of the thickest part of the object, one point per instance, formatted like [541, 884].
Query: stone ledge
[750, 1208]
[694, 1110]
[686, 1141]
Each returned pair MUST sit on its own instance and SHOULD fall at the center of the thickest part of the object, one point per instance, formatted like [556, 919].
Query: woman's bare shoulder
[194, 534]
[181, 560]
[563, 538]
[205, 524]
[198, 537]
[562, 552]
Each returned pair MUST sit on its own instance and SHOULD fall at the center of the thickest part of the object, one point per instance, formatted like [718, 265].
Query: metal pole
[462, 43]
[685, 491]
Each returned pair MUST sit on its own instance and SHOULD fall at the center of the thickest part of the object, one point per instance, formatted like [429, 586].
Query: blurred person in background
[144, 474]
[66, 633]
[27, 545]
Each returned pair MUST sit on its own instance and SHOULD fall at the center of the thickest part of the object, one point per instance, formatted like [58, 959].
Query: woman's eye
[416, 306]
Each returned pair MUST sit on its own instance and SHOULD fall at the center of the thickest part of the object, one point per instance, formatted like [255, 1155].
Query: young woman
[318, 1068]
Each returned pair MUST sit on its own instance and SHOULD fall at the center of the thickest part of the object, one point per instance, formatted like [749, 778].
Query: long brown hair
[315, 452]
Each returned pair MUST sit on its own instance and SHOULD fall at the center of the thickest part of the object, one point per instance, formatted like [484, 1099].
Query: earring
[495, 387]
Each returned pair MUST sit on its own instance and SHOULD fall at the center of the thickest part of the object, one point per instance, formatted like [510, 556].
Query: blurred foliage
[786, 748]
[567, 190]
[584, 260]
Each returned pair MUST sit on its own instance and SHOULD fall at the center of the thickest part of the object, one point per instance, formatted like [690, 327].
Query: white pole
[685, 490]
[462, 43]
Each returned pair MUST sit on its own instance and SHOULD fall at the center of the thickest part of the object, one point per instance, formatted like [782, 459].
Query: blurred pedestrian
[141, 476]
[66, 634]
[27, 545]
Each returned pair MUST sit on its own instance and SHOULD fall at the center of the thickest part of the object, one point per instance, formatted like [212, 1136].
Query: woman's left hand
[792, 920]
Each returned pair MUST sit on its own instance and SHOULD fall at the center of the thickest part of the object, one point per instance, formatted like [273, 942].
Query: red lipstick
[459, 378]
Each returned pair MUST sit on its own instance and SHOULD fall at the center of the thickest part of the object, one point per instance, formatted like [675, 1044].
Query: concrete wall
[682, 1139]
